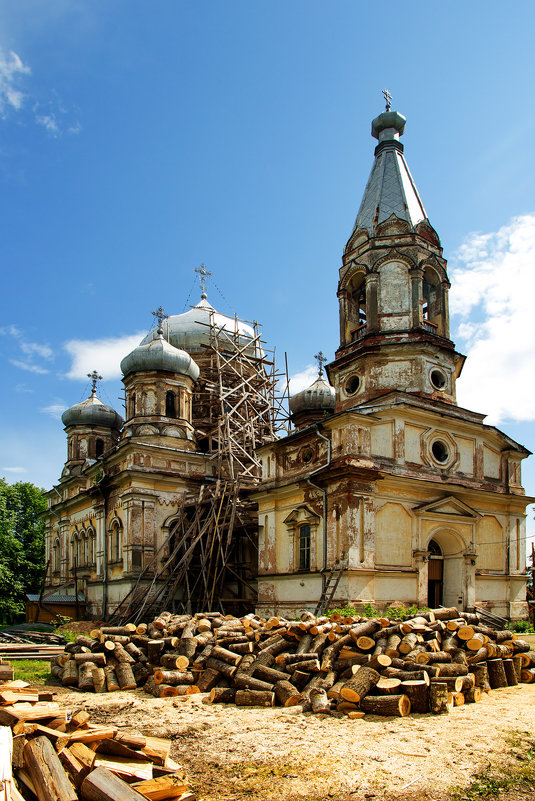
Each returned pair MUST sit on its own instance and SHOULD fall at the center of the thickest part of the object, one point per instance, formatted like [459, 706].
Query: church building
[383, 489]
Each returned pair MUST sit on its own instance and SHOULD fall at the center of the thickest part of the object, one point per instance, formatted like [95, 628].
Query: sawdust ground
[239, 754]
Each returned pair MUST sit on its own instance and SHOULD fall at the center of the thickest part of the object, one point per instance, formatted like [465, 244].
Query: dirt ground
[234, 754]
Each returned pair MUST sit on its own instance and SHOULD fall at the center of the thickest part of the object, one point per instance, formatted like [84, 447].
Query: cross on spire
[95, 378]
[203, 272]
[160, 316]
[321, 360]
[388, 98]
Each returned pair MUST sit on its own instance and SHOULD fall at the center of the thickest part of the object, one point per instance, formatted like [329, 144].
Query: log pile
[63, 757]
[427, 663]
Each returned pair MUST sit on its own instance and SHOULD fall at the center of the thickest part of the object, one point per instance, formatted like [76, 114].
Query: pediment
[303, 514]
[449, 506]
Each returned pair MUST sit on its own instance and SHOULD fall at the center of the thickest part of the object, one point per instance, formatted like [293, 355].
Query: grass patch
[34, 671]
[515, 775]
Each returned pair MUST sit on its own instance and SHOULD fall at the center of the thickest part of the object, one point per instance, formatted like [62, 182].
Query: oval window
[352, 385]
[440, 451]
[438, 379]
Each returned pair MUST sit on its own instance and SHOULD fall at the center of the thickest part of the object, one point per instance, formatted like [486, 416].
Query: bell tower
[393, 288]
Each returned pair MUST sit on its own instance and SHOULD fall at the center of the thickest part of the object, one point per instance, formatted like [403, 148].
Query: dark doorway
[435, 575]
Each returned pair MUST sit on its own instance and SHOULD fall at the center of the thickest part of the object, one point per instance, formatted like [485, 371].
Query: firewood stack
[59, 757]
[6, 670]
[355, 665]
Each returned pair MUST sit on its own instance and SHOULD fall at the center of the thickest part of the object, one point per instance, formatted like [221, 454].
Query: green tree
[22, 547]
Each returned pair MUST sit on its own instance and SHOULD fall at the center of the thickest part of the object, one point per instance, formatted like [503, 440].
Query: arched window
[304, 547]
[430, 296]
[90, 546]
[115, 542]
[132, 405]
[170, 404]
[357, 312]
[83, 548]
[56, 556]
[99, 448]
[434, 548]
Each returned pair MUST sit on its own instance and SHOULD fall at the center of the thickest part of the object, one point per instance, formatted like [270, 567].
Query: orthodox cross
[203, 272]
[321, 360]
[160, 316]
[388, 98]
[95, 377]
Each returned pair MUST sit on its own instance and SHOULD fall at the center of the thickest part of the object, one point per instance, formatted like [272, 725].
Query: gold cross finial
[203, 272]
[321, 360]
[95, 377]
[388, 98]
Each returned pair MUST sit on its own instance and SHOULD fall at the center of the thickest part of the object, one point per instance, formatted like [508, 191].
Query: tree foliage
[22, 546]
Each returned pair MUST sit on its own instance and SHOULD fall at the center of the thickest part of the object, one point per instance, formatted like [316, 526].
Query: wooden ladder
[329, 587]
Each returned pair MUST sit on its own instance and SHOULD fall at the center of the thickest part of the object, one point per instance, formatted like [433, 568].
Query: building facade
[415, 499]
[384, 478]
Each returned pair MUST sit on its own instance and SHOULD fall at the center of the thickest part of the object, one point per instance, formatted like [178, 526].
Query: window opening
[99, 448]
[170, 404]
[304, 547]
[440, 451]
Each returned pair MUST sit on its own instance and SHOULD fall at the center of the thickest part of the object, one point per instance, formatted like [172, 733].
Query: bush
[521, 627]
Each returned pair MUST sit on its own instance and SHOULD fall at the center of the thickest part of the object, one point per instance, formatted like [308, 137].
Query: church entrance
[435, 575]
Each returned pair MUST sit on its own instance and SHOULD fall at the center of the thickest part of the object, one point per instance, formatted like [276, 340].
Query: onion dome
[158, 354]
[92, 412]
[191, 330]
[318, 397]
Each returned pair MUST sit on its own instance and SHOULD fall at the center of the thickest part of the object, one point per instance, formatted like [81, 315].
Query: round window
[307, 455]
[438, 379]
[352, 385]
[440, 451]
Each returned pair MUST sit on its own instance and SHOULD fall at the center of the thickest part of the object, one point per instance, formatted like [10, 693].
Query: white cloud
[493, 286]
[11, 71]
[32, 368]
[31, 350]
[13, 469]
[49, 122]
[55, 410]
[303, 379]
[103, 355]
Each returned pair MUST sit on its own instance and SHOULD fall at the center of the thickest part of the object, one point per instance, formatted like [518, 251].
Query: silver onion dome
[92, 412]
[158, 354]
[192, 329]
[319, 396]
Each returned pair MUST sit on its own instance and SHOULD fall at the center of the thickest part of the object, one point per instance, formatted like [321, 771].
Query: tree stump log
[125, 677]
[321, 705]
[111, 679]
[69, 676]
[102, 785]
[222, 695]
[497, 677]
[439, 699]
[453, 683]
[387, 686]
[453, 669]
[517, 664]
[481, 676]
[387, 705]
[418, 693]
[473, 695]
[99, 679]
[510, 673]
[85, 676]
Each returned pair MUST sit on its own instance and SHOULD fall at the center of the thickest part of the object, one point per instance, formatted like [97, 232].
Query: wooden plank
[101, 785]
[164, 787]
[46, 772]
[122, 766]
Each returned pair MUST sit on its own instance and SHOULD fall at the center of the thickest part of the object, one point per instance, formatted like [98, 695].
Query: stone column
[445, 316]
[470, 578]
[343, 315]
[417, 275]
[100, 538]
[372, 301]
[422, 564]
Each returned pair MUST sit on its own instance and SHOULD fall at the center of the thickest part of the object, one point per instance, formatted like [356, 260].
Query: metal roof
[57, 598]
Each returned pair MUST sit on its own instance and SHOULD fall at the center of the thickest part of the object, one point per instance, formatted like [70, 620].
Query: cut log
[497, 677]
[321, 705]
[111, 679]
[360, 685]
[481, 676]
[453, 683]
[472, 696]
[452, 669]
[255, 698]
[418, 693]
[208, 679]
[165, 787]
[222, 695]
[173, 677]
[125, 677]
[69, 677]
[387, 686]
[439, 699]
[85, 676]
[46, 771]
[510, 673]
[99, 679]
[287, 694]
[387, 705]
[101, 785]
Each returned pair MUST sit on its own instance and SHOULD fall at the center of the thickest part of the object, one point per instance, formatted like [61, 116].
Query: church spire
[390, 189]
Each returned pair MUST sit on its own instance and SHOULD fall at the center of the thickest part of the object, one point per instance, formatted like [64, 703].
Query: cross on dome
[160, 316]
[203, 272]
[321, 360]
[95, 378]
[388, 98]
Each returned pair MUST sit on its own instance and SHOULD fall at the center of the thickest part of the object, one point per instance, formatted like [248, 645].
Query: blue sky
[140, 138]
